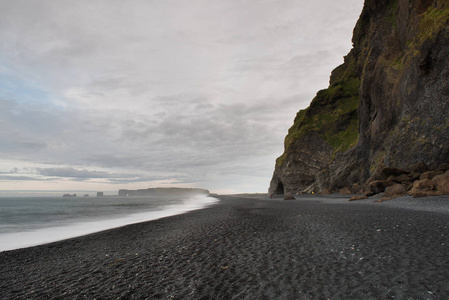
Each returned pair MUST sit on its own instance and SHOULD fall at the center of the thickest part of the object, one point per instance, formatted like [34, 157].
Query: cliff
[385, 107]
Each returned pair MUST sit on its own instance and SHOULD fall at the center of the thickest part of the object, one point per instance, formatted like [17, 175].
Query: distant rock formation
[386, 106]
[163, 192]
[68, 195]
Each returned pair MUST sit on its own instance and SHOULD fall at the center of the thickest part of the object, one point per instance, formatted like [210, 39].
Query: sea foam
[12, 241]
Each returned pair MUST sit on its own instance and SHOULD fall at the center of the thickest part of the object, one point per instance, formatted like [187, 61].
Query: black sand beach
[245, 248]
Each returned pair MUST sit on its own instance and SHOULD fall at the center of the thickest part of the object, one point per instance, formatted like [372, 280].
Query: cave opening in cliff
[279, 188]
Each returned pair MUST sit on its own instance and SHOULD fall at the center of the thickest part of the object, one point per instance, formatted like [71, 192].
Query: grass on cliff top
[332, 114]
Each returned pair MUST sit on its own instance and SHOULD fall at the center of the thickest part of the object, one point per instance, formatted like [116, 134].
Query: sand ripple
[246, 249]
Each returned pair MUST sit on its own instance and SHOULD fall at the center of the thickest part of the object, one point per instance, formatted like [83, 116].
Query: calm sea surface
[30, 221]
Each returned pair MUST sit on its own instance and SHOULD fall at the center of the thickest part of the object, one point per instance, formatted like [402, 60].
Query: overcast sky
[102, 95]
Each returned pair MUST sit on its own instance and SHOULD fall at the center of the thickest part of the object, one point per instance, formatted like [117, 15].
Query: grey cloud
[9, 145]
[83, 175]
[312, 60]
[209, 92]
[136, 179]
[12, 171]
[72, 172]
[24, 178]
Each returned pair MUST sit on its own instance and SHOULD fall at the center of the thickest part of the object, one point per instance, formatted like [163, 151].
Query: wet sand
[250, 247]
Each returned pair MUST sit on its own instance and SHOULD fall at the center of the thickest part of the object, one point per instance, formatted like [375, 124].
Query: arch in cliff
[279, 188]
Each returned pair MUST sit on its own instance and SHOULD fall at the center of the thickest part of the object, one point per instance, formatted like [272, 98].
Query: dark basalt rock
[379, 186]
[418, 168]
[443, 167]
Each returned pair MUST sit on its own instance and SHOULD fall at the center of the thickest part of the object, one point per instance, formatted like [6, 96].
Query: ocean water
[31, 221]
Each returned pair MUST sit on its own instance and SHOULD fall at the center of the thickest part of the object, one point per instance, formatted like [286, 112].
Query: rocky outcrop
[386, 106]
[431, 186]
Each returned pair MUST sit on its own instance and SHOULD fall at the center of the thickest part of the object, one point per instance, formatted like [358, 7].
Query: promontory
[384, 119]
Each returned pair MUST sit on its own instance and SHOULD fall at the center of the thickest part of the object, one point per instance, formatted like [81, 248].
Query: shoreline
[313, 247]
[79, 228]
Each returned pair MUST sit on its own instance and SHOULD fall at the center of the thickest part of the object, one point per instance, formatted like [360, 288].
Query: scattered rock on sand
[430, 174]
[289, 197]
[443, 167]
[394, 191]
[399, 179]
[419, 168]
[414, 176]
[424, 188]
[442, 182]
[358, 188]
[424, 185]
[379, 186]
[325, 192]
[357, 197]
[419, 181]
[345, 191]
[419, 194]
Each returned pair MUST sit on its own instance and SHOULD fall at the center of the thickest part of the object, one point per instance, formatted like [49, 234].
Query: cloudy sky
[109, 94]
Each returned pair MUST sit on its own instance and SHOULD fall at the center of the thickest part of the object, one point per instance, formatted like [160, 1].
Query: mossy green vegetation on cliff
[332, 114]
[391, 15]
[434, 18]
[430, 23]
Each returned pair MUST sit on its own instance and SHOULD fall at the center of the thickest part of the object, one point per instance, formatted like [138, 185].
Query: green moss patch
[391, 16]
[430, 23]
[332, 114]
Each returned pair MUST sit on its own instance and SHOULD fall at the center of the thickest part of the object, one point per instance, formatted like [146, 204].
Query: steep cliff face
[386, 106]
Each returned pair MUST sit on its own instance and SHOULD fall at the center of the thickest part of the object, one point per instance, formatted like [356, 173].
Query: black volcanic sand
[245, 248]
